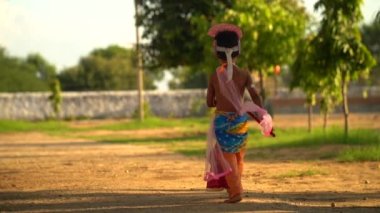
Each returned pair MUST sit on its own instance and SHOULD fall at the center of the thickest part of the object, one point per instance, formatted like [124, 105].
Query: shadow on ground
[180, 201]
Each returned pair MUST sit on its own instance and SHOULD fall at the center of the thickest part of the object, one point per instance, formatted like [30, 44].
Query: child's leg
[240, 161]
[233, 179]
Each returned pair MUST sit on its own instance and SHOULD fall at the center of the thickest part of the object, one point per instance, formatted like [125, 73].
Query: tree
[46, 72]
[111, 68]
[341, 56]
[170, 31]
[187, 77]
[330, 98]
[271, 30]
[43, 69]
[174, 41]
[140, 68]
[55, 97]
[70, 79]
[19, 74]
[304, 76]
[370, 34]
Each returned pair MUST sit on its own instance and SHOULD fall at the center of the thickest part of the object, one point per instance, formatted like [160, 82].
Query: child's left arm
[253, 92]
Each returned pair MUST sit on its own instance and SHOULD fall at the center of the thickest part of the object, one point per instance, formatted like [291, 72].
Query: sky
[62, 31]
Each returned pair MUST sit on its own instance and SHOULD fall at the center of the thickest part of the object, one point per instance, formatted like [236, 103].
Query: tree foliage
[340, 49]
[32, 73]
[271, 30]
[326, 63]
[55, 98]
[174, 40]
[370, 34]
[177, 34]
[188, 77]
[111, 68]
[168, 26]
[340, 54]
[43, 69]
[303, 74]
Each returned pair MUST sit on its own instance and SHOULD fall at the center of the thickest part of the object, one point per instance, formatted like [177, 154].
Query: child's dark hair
[226, 39]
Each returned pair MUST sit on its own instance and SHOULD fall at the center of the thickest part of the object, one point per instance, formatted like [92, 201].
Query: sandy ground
[40, 173]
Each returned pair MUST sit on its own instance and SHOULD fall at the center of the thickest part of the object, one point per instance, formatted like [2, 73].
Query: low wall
[122, 104]
[289, 103]
[112, 104]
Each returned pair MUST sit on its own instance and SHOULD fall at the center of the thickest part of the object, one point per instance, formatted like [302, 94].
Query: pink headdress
[214, 30]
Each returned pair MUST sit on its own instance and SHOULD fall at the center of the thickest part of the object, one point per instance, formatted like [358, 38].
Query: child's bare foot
[234, 199]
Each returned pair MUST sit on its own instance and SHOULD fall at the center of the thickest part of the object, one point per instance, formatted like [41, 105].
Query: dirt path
[39, 173]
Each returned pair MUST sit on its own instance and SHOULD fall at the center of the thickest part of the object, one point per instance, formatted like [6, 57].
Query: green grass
[361, 153]
[299, 137]
[361, 144]
[52, 126]
[300, 173]
[148, 140]
[9, 126]
[153, 123]
[191, 152]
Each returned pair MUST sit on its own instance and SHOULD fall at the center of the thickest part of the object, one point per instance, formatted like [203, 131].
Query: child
[227, 137]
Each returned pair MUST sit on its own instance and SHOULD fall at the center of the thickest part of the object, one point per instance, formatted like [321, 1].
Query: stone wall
[294, 102]
[122, 104]
[112, 104]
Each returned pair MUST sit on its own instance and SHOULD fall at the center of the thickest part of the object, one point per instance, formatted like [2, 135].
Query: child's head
[226, 36]
[226, 39]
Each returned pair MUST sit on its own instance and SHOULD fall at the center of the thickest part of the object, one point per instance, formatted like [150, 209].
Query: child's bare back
[242, 80]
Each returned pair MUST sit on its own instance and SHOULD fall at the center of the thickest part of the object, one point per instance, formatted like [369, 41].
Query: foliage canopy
[32, 73]
[111, 68]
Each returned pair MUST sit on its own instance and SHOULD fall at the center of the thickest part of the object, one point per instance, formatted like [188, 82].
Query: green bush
[147, 111]
[198, 108]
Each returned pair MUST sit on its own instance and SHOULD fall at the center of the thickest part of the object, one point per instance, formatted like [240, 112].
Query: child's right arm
[253, 92]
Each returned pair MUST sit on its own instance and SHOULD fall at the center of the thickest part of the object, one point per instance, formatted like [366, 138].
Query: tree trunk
[275, 85]
[345, 105]
[262, 91]
[325, 115]
[140, 81]
[309, 116]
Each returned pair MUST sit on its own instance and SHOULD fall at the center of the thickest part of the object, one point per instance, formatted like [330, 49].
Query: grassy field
[188, 136]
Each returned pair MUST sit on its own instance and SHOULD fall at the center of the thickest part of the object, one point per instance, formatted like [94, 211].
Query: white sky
[64, 30]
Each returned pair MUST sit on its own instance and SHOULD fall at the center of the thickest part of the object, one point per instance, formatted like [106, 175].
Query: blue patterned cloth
[231, 131]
